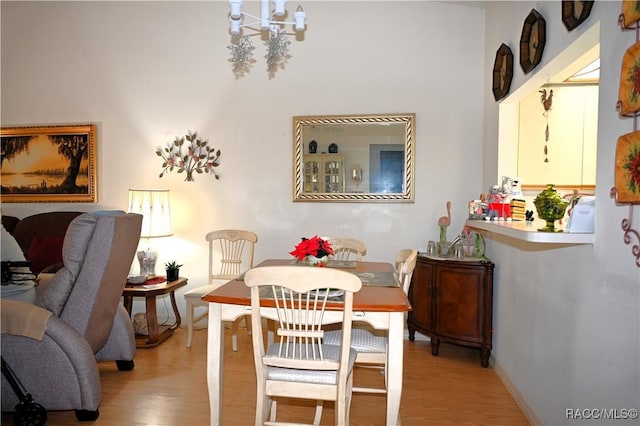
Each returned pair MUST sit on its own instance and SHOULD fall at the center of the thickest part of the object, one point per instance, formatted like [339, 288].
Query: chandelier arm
[259, 21]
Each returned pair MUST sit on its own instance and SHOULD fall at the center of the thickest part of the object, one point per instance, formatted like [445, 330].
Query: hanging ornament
[546, 103]
[241, 55]
[277, 49]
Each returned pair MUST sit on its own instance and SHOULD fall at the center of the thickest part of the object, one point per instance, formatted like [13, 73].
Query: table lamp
[153, 205]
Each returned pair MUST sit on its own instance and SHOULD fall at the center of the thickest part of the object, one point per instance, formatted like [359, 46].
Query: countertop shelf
[528, 231]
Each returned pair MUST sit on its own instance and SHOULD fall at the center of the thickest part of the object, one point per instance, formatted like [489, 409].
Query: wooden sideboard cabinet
[452, 301]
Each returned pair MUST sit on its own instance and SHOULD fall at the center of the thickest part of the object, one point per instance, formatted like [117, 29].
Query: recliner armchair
[82, 319]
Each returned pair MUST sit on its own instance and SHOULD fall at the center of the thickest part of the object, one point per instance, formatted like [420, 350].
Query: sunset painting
[48, 164]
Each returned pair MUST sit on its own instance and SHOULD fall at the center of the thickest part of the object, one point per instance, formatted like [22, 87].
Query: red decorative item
[627, 170]
[314, 246]
[629, 92]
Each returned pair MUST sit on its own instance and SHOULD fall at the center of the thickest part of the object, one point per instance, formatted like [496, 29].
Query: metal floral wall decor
[193, 156]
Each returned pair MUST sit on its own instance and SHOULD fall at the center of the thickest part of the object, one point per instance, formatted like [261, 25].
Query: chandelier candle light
[272, 22]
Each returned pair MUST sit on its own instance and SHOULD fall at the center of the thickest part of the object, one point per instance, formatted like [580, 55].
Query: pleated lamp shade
[153, 205]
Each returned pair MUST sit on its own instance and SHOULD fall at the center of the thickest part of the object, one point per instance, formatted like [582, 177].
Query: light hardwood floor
[168, 387]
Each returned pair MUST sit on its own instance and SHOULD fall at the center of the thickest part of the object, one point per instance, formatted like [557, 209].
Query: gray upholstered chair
[53, 346]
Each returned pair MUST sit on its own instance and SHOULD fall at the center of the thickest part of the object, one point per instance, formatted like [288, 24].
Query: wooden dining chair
[370, 344]
[345, 248]
[233, 250]
[299, 364]
[402, 257]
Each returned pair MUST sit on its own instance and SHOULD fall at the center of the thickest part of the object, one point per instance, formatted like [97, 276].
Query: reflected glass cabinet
[323, 173]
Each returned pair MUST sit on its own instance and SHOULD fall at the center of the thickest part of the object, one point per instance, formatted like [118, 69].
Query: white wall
[567, 333]
[146, 72]
[567, 324]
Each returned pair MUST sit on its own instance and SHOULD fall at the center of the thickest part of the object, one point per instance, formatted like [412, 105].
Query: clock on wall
[532, 41]
[575, 12]
[502, 72]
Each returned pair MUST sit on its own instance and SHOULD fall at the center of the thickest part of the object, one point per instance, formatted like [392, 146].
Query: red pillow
[44, 251]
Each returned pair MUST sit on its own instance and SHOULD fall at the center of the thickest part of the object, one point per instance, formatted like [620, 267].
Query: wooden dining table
[381, 303]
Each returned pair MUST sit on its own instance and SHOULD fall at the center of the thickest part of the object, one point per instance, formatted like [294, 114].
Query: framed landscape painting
[46, 164]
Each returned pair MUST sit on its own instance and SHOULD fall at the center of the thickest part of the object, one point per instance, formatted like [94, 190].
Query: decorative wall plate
[532, 41]
[630, 13]
[575, 12]
[629, 94]
[502, 72]
[627, 168]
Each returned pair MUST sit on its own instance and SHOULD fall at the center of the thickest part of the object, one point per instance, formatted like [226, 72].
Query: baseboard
[515, 393]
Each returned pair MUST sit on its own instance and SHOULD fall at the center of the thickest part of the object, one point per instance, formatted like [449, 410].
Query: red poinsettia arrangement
[314, 246]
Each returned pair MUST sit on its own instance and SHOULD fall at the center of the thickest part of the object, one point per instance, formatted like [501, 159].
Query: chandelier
[270, 25]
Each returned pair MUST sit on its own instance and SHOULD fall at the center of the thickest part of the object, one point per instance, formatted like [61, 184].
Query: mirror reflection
[354, 158]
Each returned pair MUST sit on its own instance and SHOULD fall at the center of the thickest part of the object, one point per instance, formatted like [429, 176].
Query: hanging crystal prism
[277, 49]
[241, 55]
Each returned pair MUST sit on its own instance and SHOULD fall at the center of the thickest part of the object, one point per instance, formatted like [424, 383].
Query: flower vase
[317, 261]
[443, 233]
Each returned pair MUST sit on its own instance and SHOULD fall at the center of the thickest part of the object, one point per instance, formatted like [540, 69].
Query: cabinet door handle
[358, 314]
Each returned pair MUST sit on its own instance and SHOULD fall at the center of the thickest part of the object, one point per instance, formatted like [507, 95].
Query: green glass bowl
[550, 207]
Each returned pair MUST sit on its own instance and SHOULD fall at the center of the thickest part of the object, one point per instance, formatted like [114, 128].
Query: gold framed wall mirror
[354, 158]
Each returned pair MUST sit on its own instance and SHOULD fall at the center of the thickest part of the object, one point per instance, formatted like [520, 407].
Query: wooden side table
[157, 332]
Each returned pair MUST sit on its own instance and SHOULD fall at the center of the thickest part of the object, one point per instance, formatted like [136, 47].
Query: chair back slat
[346, 249]
[234, 248]
[300, 296]
[300, 317]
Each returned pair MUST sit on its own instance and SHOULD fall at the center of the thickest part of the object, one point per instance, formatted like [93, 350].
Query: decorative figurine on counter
[495, 201]
[516, 188]
[573, 200]
[444, 222]
[478, 208]
[499, 201]
[515, 198]
[505, 203]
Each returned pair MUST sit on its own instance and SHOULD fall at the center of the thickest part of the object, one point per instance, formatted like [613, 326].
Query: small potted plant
[173, 270]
